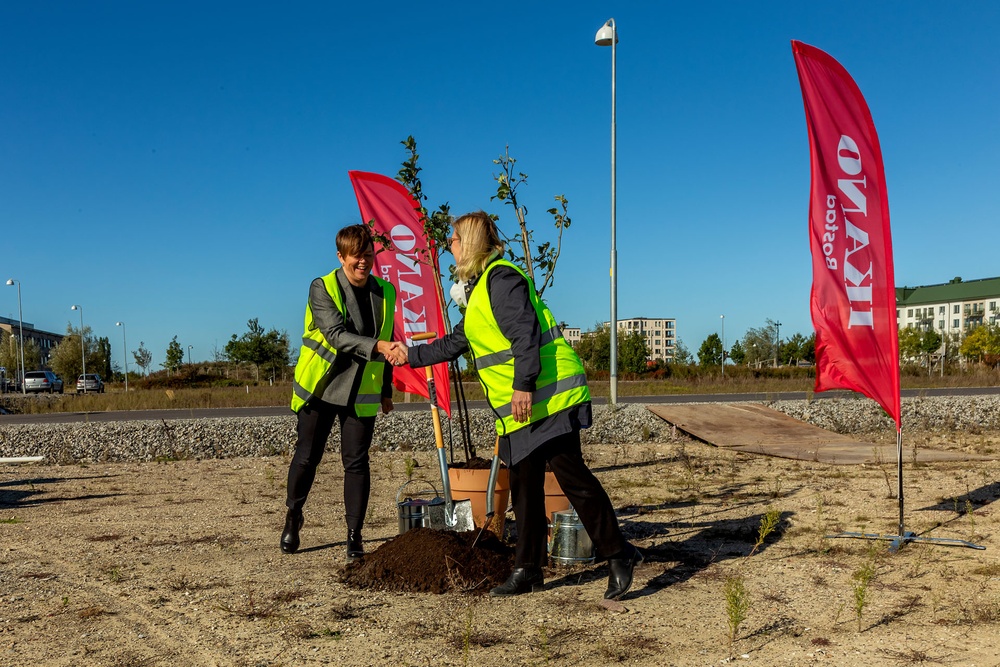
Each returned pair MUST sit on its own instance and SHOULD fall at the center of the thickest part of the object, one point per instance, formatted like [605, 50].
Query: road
[283, 411]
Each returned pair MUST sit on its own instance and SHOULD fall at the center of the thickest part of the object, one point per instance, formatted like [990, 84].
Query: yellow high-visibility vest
[562, 382]
[317, 355]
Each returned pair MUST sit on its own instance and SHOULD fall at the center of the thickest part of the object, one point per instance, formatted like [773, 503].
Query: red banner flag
[853, 300]
[418, 304]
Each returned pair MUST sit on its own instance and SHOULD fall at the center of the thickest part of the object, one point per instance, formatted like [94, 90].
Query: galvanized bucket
[570, 544]
[420, 512]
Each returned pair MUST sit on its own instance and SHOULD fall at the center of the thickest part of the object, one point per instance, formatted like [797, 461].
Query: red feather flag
[853, 300]
[418, 304]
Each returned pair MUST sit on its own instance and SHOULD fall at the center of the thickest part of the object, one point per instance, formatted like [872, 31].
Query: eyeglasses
[453, 240]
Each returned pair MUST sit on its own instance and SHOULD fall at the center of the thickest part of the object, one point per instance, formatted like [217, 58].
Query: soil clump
[424, 560]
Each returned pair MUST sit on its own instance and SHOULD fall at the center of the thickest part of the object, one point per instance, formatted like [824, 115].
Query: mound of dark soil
[424, 560]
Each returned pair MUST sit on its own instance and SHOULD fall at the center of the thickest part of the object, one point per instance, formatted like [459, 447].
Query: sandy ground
[177, 563]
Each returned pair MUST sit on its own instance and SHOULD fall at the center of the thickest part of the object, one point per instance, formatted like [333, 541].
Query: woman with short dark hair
[341, 375]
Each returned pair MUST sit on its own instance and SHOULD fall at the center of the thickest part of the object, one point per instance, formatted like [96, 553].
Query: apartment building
[661, 335]
[43, 339]
[949, 308]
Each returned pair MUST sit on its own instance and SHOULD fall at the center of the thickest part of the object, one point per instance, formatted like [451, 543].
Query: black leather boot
[355, 548]
[521, 580]
[620, 572]
[290, 536]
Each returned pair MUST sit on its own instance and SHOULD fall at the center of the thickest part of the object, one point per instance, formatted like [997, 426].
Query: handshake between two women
[395, 352]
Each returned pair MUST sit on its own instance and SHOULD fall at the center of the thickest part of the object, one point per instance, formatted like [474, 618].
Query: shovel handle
[491, 483]
[450, 519]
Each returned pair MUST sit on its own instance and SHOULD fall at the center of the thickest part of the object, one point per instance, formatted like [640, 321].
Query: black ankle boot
[290, 536]
[521, 580]
[355, 548]
[620, 571]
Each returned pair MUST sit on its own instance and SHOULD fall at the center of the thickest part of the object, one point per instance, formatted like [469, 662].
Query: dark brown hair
[353, 240]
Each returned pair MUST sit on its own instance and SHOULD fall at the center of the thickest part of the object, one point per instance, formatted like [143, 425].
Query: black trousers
[584, 491]
[315, 423]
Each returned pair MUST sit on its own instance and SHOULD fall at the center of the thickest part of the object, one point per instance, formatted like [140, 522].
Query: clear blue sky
[182, 166]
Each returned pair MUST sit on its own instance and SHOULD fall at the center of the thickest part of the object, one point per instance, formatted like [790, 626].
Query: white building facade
[572, 335]
[950, 308]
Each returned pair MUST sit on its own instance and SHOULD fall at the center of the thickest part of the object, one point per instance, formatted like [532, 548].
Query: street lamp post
[723, 318]
[125, 348]
[189, 354]
[777, 342]
[83, 348]
[20, 329]
[608, 36]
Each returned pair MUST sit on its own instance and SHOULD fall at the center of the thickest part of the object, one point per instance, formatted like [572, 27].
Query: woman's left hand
[520, 406]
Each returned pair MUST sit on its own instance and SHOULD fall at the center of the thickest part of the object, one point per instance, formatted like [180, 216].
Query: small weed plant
[737, 606]
[863, 577]
[768, 523]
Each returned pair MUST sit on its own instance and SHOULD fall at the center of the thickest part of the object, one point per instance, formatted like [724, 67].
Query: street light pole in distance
[20, 329]
[777, 342]
[723, 318]
[608, 36]
[125, 356]
[83, 348]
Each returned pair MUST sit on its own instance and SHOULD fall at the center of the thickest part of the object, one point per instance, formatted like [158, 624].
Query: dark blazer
[353, 350]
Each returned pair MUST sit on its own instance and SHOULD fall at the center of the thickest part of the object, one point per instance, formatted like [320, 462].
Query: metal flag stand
[904, 537]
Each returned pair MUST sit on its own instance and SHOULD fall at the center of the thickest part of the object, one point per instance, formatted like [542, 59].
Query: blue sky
[182, 166]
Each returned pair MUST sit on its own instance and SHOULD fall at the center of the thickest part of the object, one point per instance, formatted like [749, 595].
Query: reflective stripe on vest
[506, 355]
[317, 356]
[562, 382]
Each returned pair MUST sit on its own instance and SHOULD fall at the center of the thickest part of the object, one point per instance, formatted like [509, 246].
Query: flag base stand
[904, 536]
[899, 540]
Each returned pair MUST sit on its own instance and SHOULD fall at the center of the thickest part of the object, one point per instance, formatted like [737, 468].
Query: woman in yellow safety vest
[536, 386]
[341, 375]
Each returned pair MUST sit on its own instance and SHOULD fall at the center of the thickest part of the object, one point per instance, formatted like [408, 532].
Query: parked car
[91, 382]
[35, 381]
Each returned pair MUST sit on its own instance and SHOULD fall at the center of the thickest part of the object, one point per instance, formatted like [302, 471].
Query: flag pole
[899, 475]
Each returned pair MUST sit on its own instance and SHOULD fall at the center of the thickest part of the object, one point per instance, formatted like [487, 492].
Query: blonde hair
[480, 243]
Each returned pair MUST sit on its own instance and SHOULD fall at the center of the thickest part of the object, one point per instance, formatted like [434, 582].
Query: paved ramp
[756, 429]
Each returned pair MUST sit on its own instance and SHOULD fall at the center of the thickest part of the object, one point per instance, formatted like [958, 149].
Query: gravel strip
[269, 436]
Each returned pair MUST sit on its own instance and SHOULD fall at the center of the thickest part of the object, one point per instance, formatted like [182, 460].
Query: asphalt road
[281, 411]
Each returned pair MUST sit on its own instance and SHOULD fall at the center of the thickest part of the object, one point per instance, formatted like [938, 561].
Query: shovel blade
[460, 519]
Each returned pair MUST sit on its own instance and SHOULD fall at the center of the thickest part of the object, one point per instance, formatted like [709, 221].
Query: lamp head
[119, 324]
[74, 307]
[607, 35]
[10, 281]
